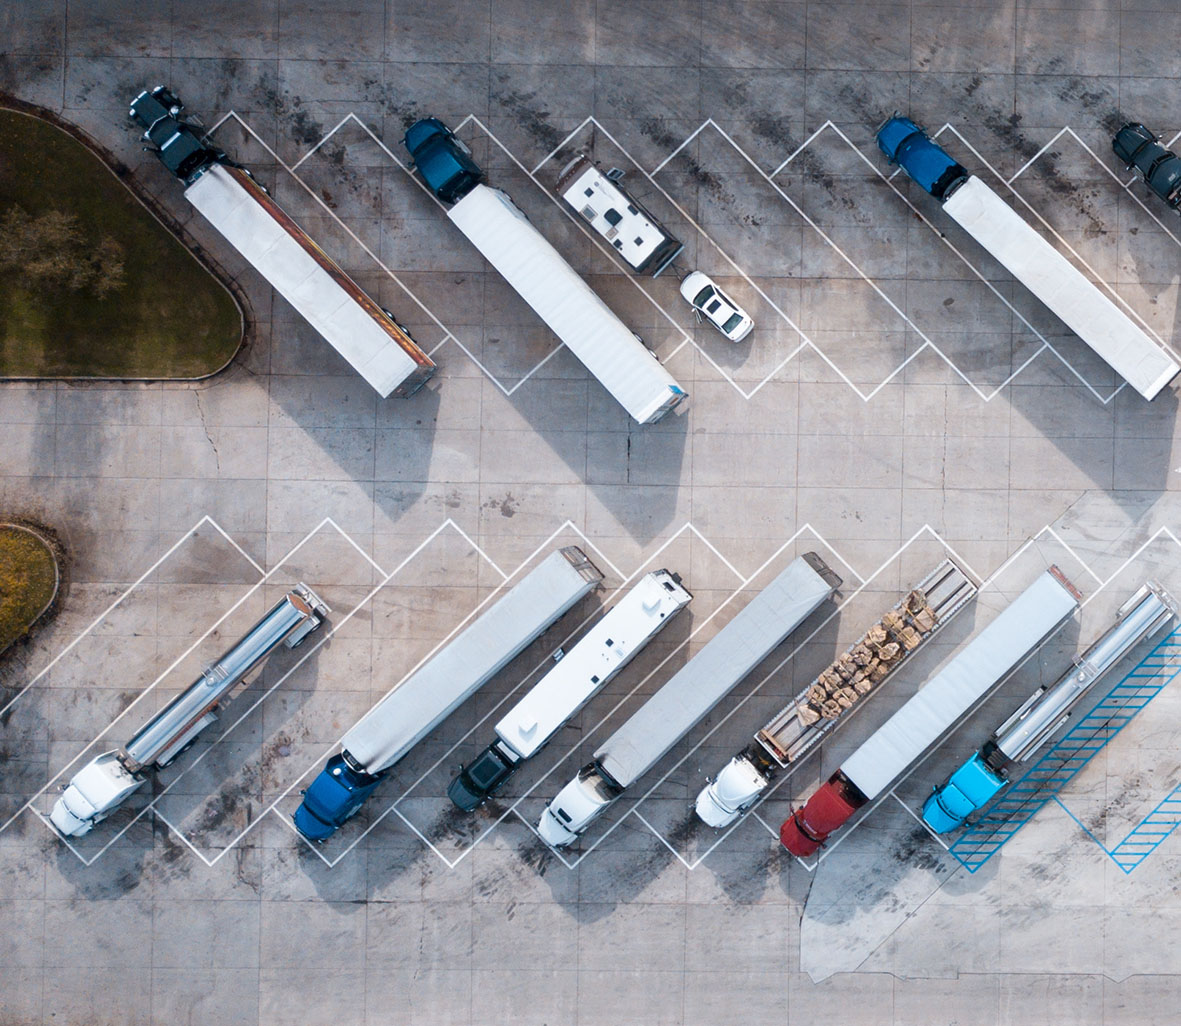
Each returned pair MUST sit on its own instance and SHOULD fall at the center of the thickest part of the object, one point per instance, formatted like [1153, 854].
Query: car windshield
[732, 323]
[703, 296]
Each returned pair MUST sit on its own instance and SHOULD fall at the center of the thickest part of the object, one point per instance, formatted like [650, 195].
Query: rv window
[589, 192]
[612, 216]
[631, 209]
[639, 241]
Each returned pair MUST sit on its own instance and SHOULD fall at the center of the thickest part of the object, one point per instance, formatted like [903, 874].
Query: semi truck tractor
[367, 336]
[851, 679]
[580, 674]
[529, 263]
[986, 660]
[1053, 279]
[429, 695]
[688, 695]
[1019, 738]
[104, 783]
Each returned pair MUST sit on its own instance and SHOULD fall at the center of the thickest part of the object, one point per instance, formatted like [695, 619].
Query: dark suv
[1137, 147]
[445, 161]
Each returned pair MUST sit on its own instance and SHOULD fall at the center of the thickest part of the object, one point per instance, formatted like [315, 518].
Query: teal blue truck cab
[969, 788]
[443, 160]
[905, 144]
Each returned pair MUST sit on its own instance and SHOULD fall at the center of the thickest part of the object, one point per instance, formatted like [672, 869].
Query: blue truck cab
[444, 161]
[969, 788]
[905, 144]
[334, 797]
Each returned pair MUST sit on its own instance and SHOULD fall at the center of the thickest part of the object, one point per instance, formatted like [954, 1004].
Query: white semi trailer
[368, 337]
[587, 326]
[580, 674]
[104, 783]
[688, 695]
[819, 708]
[1086, 311]
[436, 689]
[985, 661]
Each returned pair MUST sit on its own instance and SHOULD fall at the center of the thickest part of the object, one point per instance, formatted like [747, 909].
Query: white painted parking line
[921, 822]
[447, 334]
[987, 396]
[1064, 244]
[335, 626]
[139, 698]
[626, 580]
[326, 522]
[804, 339]
[110, 609]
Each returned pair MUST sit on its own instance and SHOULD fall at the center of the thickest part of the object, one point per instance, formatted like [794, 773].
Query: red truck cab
[828, 809]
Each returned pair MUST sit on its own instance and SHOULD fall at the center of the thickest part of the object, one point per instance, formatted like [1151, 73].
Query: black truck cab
[1160, 168]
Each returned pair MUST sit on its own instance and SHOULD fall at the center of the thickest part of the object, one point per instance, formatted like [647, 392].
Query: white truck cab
[575, 806]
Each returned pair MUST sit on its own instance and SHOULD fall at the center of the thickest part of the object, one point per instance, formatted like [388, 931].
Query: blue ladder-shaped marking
[984, 836]
[1151, 832]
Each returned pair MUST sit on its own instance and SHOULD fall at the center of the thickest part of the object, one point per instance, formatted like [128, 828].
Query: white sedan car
[715, 306]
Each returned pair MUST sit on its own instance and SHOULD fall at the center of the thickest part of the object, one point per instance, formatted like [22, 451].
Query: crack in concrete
[205, 428]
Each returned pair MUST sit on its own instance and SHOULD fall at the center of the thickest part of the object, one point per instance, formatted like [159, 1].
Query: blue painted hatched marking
[984, 836]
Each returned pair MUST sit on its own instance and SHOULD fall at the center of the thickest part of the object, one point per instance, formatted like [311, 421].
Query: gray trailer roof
[408, 713]
[698, 686]
[568, 305]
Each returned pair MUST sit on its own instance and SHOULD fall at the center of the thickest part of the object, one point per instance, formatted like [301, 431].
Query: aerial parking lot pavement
[453, 380]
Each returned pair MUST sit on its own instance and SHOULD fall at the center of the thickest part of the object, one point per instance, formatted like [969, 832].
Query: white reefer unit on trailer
[429, 695]
[379, 349]
[568, 305]
[986, 660]
[104, 783]
[582, 672]
[688, 695]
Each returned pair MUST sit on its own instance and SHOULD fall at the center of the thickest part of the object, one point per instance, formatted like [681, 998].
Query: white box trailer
[428, 696]
[569, 306]
[688, 695]
[986, 660]
[1090, 314]
[581, 673]
[380, 350]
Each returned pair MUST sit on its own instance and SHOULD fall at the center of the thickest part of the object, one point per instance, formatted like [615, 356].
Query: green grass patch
[169, 317]
[28, 579]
